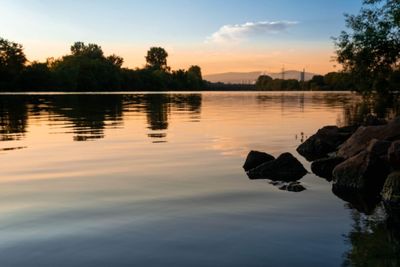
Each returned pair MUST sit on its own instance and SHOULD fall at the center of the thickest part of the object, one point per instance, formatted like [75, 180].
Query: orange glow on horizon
[211, 60]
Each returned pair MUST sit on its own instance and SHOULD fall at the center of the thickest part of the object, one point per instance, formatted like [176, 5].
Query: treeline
[86, 68]
[333, 81]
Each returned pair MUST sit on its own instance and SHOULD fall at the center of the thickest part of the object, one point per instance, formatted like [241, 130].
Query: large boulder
[325, 141]
[391, 190]
[379, 148]
[362, 172]
[364, 135]
[255, 159]
[285, 168]
[324, 167]
[394, 155]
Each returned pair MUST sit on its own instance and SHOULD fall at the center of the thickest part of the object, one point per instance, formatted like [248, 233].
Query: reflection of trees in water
[307, 99]
[87, 116]
[158, 108]
[354, 107]
[374, 240]
[13, 117]
[386, 107]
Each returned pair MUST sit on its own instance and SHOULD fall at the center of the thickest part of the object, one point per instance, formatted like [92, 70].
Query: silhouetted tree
[12, 60]
[370, 50]
[157, 58]
[36, 76]
[86, 68]
[195, 77]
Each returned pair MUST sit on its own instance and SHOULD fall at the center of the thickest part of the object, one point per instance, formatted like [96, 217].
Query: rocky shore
[362, 161]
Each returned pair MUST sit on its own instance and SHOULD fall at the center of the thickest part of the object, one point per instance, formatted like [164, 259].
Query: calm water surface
[157, 180]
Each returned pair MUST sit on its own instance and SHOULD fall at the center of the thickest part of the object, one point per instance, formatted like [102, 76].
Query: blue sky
[249, 31]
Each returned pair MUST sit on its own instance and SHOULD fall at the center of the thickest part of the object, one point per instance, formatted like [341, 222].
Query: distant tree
[370, 49]
[12, 62]
[90, 50]
[338, 81]
[195, 78]
[317, 82]
[87, 69]
[263, 82]
[157, 58]
[116, 60]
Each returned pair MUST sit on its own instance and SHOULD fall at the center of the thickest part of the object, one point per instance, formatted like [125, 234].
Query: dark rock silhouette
[256, 158]
[325, 141]
[379, 148]
[361, 172]
[364, 135]
[285, 168]
[324, 167]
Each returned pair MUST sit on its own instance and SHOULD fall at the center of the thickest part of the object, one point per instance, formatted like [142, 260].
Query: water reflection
[374, 240]
[189, 189]
[13, 117]
[87, 116]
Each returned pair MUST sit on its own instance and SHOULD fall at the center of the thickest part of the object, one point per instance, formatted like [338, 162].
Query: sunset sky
[220, 36]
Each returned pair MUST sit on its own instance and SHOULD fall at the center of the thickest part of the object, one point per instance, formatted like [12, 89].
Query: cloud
[241, 32]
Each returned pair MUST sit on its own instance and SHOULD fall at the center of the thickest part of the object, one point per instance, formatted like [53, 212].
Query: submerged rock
[325, 141]
[364, 135]
[394, 155]
[293, 187]
[362, 172]
[256, 158]
[324, 167]
[391, 190]
[285, 168]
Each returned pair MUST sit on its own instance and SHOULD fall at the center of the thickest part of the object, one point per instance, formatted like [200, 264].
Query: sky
[219, 36]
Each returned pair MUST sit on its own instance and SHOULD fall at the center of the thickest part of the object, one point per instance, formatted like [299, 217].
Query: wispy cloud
[241, 32]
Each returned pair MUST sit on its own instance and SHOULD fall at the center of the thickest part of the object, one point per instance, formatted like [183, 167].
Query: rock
[379, 148]
[391, 190]
[362, 172]
[256, 158]
[394, 155]
[364, 135]
[285, 168]
[326, 140]
[293, 187]
[324, 167]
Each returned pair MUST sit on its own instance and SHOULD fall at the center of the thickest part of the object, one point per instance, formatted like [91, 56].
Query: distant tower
[283, 72]
[303, 76]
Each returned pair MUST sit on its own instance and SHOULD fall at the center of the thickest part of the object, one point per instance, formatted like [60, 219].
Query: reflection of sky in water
[161, 181]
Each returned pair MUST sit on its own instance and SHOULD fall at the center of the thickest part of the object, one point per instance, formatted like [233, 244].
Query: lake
[156, 179]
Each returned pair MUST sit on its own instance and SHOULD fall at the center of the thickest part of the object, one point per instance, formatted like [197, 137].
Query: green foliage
[370, 50]
[86, 68]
